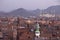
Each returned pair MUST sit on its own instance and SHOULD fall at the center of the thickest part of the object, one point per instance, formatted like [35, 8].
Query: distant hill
[53, 9]
[22, 12]
[3, 14]
[26, 13]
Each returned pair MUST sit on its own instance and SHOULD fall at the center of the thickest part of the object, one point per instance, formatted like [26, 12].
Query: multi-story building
[14, 28]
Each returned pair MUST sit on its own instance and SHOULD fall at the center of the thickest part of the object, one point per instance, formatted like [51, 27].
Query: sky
[9, 5]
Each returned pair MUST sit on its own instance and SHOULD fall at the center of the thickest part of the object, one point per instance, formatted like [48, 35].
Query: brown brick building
[19, 29]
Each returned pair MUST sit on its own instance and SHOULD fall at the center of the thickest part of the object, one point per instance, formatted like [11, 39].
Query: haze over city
[9, 5]
[29, 19]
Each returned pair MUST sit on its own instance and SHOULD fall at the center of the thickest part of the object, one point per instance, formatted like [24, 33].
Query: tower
[37, 31]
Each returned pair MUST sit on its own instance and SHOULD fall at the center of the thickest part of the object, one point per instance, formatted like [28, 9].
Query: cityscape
[30, 28]
[29, 19]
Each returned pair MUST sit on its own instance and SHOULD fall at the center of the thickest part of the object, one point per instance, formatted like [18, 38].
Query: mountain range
[25, 13]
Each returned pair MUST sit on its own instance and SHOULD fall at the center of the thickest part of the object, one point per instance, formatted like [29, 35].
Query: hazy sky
[9, 5]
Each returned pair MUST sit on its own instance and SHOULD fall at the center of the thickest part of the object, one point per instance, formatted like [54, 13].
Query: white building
[47, 15]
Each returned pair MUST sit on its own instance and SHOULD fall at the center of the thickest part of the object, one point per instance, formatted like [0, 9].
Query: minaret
[37, 31]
